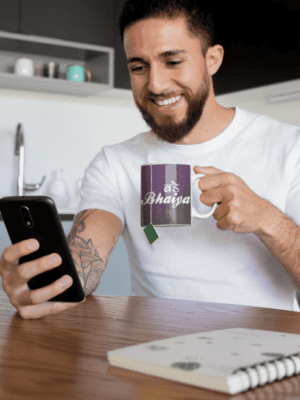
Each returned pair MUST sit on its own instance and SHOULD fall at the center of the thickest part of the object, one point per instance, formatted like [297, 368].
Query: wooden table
[63, 356]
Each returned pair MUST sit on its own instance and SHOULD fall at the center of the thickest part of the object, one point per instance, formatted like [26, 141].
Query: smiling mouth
[171, 100]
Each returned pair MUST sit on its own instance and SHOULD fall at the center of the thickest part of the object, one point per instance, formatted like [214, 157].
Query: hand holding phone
[33, 278]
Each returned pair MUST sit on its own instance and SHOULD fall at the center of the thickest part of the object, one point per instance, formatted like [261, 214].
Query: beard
[171, 131]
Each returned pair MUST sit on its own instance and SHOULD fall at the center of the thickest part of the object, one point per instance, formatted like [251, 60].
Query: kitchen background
[64, 129]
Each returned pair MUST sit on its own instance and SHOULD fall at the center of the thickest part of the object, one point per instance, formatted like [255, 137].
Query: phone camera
[27, 218]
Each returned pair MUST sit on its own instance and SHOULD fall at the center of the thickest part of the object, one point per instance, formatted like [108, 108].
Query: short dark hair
[198, 15]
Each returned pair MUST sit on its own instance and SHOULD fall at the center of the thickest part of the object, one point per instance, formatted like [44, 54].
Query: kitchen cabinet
[92, 22]
[77, 21]
[80, 21]
[99, 60]
[261, 41]
[44, 28]
[115, 280]
[9, 15]
[122, 77]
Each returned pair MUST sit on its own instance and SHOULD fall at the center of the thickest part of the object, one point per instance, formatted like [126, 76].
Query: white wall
[67, 132]
[61, 132]
[256, 100]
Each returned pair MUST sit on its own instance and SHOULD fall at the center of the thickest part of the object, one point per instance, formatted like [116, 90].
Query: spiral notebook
[229, 360]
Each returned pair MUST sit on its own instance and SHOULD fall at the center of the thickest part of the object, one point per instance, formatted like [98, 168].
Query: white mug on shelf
[25, 67]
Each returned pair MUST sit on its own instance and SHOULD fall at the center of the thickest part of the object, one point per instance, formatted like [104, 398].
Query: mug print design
[165, 195]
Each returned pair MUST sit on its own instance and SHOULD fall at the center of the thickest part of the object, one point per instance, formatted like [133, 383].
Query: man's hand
[31, 304]
[241, 210]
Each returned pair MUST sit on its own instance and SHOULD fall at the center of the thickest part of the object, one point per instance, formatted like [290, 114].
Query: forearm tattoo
[90, 266]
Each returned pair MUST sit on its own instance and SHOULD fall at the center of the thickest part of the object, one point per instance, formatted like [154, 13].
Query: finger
[24, 272]
[206, 170]
[211, 197]
[39, 296]
[208, 182]
[224, 225]
[221, 211]
[12, 254]
[227, 218]
[41, 310]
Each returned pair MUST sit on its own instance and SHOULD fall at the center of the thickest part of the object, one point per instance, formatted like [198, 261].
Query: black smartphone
[37, 217]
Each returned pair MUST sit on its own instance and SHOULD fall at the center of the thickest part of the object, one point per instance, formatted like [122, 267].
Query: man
[249, 252]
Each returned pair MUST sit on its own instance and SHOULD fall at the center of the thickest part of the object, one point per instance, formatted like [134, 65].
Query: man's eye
[174, 63]
[137, 69]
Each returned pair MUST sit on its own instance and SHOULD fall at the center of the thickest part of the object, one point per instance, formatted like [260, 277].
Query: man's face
[169, 77]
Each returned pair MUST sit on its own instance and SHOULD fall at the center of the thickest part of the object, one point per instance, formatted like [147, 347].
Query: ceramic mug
[76, 73]
[25, 67]
[166, 193]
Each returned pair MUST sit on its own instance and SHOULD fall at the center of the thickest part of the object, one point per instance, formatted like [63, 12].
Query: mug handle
[38, 69]
[195, 214]
[89, 75]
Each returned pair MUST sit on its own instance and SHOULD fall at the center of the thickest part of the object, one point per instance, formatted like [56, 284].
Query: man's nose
[158, 80]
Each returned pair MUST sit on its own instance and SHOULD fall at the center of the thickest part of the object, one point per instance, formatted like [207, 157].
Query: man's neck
[214, 120]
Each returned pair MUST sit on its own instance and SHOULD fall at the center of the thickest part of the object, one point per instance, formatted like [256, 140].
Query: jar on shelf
[58, 190]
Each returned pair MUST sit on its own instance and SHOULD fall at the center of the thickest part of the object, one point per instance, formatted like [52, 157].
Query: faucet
[19, 151]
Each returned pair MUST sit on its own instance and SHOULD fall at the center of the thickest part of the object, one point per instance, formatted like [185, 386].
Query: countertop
[63, 356]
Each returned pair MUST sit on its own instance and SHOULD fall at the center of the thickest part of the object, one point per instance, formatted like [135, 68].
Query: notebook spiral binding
[268, 372]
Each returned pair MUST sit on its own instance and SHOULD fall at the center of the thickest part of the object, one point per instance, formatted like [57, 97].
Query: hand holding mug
[240, 210]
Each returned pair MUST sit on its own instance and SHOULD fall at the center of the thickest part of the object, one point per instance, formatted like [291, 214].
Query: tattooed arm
[92, 239]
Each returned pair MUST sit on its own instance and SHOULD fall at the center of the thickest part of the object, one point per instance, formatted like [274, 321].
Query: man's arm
[92, 239]
[243, 211]
[281, 236]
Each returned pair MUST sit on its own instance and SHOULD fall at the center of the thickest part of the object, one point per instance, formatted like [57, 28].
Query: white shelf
[99, 60]
[41, 84]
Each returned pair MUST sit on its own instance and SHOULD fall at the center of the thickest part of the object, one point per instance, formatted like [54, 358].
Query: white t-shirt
[201, 262]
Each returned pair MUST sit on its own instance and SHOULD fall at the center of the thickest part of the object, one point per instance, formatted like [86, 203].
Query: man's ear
[214, 58]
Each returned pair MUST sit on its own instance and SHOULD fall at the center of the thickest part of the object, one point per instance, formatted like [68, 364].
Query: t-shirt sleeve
[100, 187]
[293, 197]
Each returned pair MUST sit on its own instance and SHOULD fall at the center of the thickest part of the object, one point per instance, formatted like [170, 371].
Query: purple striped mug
[166, 195]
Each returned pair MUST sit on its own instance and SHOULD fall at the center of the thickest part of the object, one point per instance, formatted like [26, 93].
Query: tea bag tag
[151, 233]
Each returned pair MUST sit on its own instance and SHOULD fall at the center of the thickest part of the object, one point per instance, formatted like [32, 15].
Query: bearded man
[249, 252]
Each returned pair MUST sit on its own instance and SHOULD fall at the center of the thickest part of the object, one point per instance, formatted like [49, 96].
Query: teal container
[75, 73]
